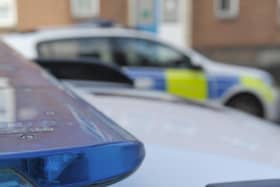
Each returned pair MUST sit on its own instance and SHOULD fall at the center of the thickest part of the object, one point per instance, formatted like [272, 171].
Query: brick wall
[116, 10]
[34, 14]
[41, 13]
[241, 40]
[256, 25]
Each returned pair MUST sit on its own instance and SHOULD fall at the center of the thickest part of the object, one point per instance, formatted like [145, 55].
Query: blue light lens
[80, 167]
[9, 178]
[54, 165]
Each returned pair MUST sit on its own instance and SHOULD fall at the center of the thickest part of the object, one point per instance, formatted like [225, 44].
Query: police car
[158, 65]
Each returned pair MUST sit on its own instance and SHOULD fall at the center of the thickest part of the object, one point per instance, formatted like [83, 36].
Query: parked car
[51, 137]
[189, 143]
[156, 64]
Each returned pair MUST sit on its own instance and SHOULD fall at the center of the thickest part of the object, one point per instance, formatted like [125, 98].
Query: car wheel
[247, 103]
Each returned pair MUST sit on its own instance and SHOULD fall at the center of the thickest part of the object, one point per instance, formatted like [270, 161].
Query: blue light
[54, 165]
[79, 167]
[9, 178]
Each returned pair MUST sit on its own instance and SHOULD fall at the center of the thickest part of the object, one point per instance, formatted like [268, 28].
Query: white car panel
[189, 144]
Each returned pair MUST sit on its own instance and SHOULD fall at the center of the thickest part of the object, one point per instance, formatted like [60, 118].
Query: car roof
[26, 42]
[169, 166]
[65, 32]
[190, 125]
[187, 143]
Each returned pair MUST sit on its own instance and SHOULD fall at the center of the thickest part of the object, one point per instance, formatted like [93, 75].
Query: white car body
[27, 43]
[190, 144]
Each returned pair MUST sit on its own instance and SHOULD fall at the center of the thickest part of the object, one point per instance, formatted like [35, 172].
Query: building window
[8, 13]
[81, 9]
[170, 11]
[278, 11]
[226, 9]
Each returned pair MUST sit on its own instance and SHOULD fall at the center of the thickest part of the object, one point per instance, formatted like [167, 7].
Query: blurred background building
[16, 15]
[241, 32]
[170, 18]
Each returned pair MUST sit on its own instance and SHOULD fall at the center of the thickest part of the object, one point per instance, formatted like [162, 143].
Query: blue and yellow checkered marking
[196, 84]
[218, 85]
[157, 76]
[265, 90]
[187, 83]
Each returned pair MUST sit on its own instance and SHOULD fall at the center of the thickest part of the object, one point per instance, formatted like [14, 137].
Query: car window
[140, 52]
[98, 48]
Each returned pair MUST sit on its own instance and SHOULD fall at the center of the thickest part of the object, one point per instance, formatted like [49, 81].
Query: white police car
[156, 64]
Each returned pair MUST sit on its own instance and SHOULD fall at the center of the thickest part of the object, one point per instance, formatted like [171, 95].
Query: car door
[154, 65]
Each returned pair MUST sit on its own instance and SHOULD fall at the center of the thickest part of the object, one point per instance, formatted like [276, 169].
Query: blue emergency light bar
[51, 137]
[96, 165]
[75, 145]
[85, 148]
